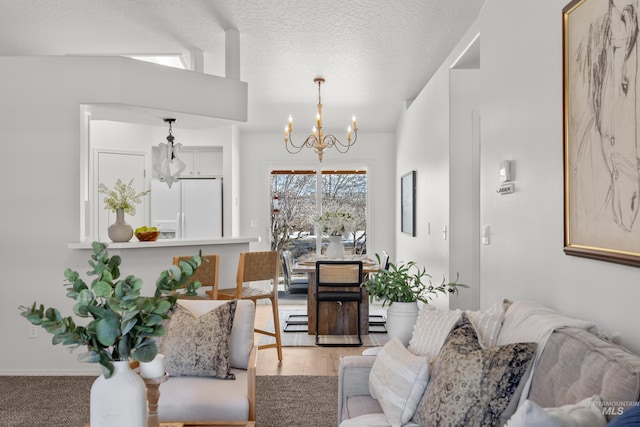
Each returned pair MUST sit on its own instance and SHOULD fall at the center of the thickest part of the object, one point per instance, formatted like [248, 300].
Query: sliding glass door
[299, 196]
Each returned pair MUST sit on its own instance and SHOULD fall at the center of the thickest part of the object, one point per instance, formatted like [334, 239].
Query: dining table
[337, 319]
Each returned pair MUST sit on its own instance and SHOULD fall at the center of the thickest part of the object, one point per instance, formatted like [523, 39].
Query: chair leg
[275, 334]
[276, 322]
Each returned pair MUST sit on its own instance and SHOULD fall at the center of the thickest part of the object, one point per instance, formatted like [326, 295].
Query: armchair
[206, 399]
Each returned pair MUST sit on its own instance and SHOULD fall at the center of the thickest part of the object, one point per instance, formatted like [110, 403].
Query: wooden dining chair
[206, 274]
[254, 267]
[339, 282]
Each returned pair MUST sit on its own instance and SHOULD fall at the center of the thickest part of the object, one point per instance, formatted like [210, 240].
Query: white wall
[40, 183]
[423, 146]
[464, 200]
[262, 153]
[521, 93]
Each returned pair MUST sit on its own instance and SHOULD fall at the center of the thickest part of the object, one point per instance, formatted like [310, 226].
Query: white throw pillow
[430, 331]
[398, 379]
[586, 413]
[433, 326]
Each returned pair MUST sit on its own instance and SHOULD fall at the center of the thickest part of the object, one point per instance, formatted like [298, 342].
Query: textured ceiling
[374, 54]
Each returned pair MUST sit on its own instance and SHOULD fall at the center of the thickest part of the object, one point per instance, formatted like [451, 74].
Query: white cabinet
[201, 162]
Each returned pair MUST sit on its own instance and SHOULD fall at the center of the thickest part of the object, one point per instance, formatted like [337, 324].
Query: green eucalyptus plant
[122, 324]
[405, 282]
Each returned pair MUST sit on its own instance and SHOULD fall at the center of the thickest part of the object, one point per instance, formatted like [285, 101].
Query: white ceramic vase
[120, 231]
[401, 318]
[120, 400]
[335, 250]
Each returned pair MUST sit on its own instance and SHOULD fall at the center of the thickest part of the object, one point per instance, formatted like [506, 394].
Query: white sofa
[572, 366]
[190, 398]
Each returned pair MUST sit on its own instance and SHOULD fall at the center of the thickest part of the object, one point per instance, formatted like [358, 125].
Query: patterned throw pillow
[199, 346]
[471, 385]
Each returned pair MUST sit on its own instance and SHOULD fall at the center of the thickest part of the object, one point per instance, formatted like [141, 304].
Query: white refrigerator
[190, 209]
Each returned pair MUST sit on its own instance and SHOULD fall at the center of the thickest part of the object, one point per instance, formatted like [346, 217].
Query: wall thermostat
[505, 171]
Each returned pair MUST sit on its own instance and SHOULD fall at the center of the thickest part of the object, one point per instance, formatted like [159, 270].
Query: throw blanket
[528, 321]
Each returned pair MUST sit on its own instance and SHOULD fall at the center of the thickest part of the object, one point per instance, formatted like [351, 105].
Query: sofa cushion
[372, 420]
[586, 413]
[358, 405]
[398, 379]
[471, 385]
[242, 337]
[199, 346]
[576, 364]
[433, 326]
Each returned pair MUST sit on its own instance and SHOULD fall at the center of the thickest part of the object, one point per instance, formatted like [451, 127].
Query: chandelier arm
[295, 149]
[333, 141]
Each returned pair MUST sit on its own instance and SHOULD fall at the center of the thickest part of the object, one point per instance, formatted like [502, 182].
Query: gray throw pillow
[472, 386]
[199, 346]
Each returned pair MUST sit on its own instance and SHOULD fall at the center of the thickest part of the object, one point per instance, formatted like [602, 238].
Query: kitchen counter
[162, 243]
[147, 259]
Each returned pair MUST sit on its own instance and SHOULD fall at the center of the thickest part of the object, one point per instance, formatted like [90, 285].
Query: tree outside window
[294, 207]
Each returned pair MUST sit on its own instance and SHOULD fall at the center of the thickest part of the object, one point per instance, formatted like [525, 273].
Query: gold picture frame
[601, 130]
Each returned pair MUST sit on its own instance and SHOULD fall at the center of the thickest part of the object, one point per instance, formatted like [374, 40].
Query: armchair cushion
[204, 399]
[199, 346]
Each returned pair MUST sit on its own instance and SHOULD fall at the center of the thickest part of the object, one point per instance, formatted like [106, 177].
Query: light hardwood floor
[298, 360]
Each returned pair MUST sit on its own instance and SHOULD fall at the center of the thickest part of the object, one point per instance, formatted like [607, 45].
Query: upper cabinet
[201, 162]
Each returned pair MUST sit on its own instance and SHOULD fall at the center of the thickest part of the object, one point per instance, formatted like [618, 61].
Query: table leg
[153, 396]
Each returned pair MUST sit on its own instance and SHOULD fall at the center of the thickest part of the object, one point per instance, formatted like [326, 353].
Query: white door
[112, 166]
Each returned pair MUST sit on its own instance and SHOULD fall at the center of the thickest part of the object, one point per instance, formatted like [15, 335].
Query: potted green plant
[119, 325]
[121, 199]
[401, 286]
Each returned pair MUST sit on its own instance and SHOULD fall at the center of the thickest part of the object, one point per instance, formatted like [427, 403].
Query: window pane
[294, 193]
[347, 191]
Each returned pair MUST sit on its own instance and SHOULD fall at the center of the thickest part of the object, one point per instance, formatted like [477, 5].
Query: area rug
[54, 401]
[302, 339]
[296, 400]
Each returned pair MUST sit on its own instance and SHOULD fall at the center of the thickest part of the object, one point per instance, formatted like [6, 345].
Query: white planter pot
[120, 400]
[401, 318]
[335, 250]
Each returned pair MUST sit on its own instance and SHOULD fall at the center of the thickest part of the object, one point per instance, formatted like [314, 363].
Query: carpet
[302, 339]
[296, 401]
[54, 401]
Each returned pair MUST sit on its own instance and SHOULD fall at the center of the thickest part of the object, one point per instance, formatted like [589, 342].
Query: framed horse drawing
[600, 130]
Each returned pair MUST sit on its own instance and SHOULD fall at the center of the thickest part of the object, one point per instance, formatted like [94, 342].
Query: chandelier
[168, 165]
[318, 140]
